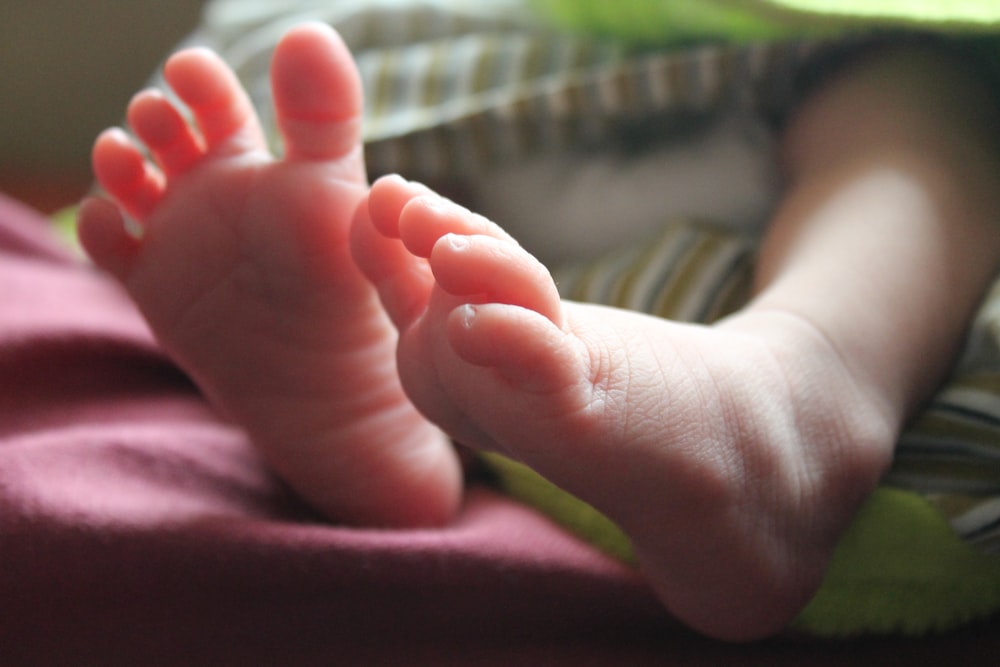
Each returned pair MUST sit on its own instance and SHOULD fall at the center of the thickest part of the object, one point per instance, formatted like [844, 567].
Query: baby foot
[723, 452]
[242, 267]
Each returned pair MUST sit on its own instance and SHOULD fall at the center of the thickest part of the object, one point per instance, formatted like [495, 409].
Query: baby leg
[709, 446]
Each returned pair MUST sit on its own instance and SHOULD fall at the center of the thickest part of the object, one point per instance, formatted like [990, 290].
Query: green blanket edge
[655, 22]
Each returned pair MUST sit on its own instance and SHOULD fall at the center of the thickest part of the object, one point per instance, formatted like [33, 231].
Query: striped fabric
[693, 272]
[951, 453]
[455, 86]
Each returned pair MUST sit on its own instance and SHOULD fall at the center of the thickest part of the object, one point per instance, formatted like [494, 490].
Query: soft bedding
[139, 528]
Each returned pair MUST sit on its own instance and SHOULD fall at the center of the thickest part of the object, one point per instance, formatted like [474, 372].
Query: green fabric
[899, 569]
[523, 483]
[660, 21]
[957, 14]
[64, 222]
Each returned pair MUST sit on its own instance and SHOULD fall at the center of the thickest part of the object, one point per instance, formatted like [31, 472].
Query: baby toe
[123, 171]
[497, 271]
[427, 218]
[221, 108]
[102, 233]
[163, 130]
[387, 198]
[317, 94]
[403, 282]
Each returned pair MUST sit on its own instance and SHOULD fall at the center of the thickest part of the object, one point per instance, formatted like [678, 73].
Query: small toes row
[469, 256]
[165, 132]
[219, 107]
[413, 213]
[317, 96]
[123, 171]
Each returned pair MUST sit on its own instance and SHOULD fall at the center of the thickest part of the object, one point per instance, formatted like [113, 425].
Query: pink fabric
[139, 528]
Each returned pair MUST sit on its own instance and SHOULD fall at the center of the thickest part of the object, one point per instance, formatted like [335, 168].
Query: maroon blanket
[139, 528]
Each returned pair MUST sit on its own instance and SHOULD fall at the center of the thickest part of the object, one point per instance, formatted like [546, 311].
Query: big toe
[317, 94]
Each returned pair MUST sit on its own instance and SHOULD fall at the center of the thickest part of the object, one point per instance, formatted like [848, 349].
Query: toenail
[132, 227]
[457, 241]
[432, 203]
[467, 313]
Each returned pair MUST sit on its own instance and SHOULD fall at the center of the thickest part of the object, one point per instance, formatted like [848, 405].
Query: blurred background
[67, 70]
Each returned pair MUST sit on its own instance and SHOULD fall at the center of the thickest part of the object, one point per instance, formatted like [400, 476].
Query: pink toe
[223, 112]
[497, 271]
[102, 234]
[388, 197]
[426, 219]
[164, 131]
[122, 170]
[317, 94]
[403, 282]
[525, 349]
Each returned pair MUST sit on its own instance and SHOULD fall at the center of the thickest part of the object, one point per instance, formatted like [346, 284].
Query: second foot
[733, 456]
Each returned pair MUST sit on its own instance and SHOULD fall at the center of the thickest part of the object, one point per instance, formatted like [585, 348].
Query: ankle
[849, 419]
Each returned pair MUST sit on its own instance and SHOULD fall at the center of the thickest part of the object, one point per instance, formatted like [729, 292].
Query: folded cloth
[138, 527]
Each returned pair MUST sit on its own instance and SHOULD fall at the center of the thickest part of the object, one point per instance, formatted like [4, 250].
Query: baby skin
[242, 267]
[308, 308]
